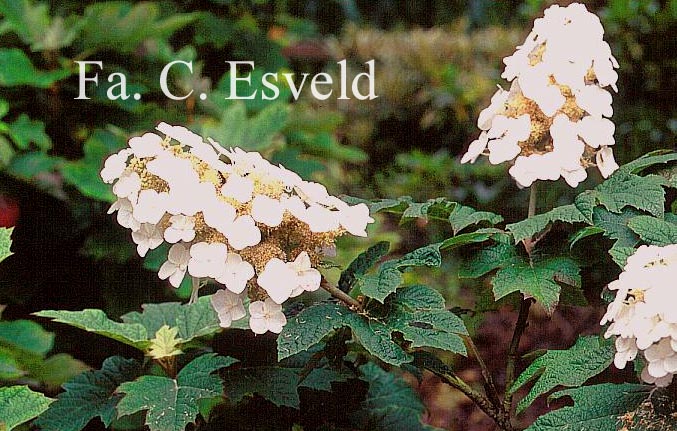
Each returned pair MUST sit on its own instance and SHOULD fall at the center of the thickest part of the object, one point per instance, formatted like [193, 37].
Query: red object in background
[9, 211]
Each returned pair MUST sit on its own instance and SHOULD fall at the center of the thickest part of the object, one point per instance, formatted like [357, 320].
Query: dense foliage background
[437, 64]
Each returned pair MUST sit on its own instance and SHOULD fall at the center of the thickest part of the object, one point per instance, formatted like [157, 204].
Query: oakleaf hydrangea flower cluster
[644, 316]
[554, 120]
[231, 217]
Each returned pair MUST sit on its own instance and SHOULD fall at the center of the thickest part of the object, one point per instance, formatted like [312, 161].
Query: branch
[340, 295]
[489, 386]
[520, 327]
[440, 369]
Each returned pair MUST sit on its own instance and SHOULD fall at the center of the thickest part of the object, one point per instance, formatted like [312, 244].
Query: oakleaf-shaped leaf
[535, 224]
[172, 404]
[96, 321]
[572, 367]
[538, 280]
[311, 325]
[654, 231]
[596, 407]
[165, 343]
[391, 404]
[462, 217]
[418, 313]
[89, 395]
[488, 259]
[362, 264]
[19, 404]
[192, 320]
[5, 242]
[388, 277]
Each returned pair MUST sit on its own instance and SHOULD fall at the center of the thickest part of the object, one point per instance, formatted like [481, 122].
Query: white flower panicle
[553, 122]
[643, 317]
[231, 216]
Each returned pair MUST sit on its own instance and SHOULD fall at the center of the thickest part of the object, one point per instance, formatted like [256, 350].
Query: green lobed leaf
[463, 216]
[654, 231]
[596, 407]
[19, 404]
[25, 131]
[418, 313]
[362, 264]
[646, 161]
[388, 277]
[89, 395]
[535, 224]
[584, 233]
[538, 281]
[172, 404]
[391, 404]
[55, 370]
[17, 69]
[96, 321]
[26, 336]
[311, 325]
[572, 367]
[254, 133]
[488, 259]
[476, 237]
[192, 320]
[623, 190]
[5, 242]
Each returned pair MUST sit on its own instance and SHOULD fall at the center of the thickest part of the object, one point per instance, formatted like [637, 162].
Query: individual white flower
[307, 278]
[536, 85]
[596, 131]
[311, 192]
[181, 134]
[228, 306]
[115, 165]
[496, 107]
[207, 259]
[147, 145]
[125, 214]
[127, 186]
[642, 315]
[355, 219]
[278, 280]
[148, 237]
[243, 233]
[218, 214]
[267, 210]
[182, 228]
[266, 316]
[504, 135]
[189, 198]
[605, 161]
[176, 265]
[595, 101]
[476, 148]
[321, 219]
[236, 273]
[238, 188]
[151, 206]
[174, 170]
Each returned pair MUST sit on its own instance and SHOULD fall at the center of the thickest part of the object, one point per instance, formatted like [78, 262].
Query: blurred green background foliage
[437, 65]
